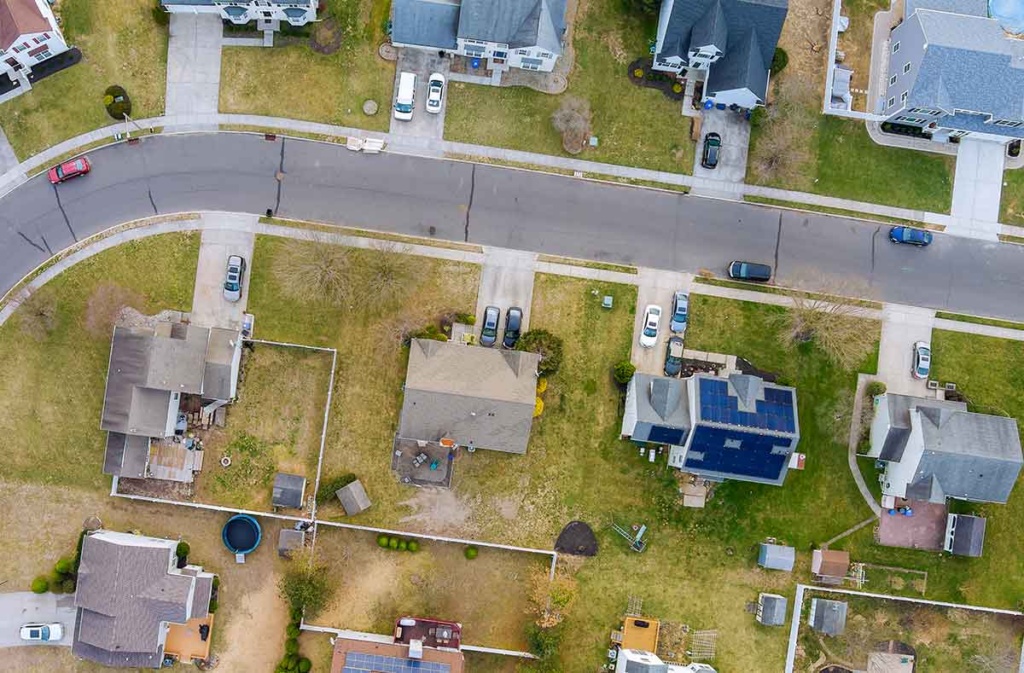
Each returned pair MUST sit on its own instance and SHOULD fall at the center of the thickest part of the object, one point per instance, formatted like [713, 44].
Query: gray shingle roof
[517, 23]
[898, 408]
[126, 589]
[776, 557]
[126, 455]
[712, 28]
[969, 536]
[662, 401]
[828, 617]
[289, 490]
[426, 23]
[353, 498]
[474, 395]
[969, 7]
[742, 67]
[773, 609]
[969, 64]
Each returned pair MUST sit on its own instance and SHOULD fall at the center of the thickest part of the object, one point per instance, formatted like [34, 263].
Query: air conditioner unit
[950, 386]
[933, 385]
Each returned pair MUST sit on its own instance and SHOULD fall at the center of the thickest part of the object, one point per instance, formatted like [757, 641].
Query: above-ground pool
[1009, 13]
[242, 534]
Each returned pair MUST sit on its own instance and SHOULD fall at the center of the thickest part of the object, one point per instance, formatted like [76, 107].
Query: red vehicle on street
[70, 169]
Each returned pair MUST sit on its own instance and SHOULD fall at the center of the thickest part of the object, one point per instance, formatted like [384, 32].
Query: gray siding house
[240, 12]
[953, 71]
[729, 44]
[934, 450]
[526, 34]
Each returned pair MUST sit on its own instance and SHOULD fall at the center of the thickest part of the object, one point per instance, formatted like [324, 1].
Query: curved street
[490, 205]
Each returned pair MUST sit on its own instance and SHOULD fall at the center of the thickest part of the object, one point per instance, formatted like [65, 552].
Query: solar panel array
[357, 662]
[754, 457]
[663, 435]
[775, 412]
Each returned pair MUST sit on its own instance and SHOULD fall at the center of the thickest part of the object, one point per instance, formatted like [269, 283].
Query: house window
[46, 36]
[42, 56]
[1008, 124]
[545, 54]
[892, 102]
[903, 98]
[895, 47]
[500, 54]
[522, 52]
[892, 80]
[906, 68]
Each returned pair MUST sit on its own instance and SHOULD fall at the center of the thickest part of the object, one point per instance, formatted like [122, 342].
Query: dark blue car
[910, 236]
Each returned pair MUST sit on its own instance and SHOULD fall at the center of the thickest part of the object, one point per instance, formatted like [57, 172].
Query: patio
[925, 529]
[185, 641]
[423, 463]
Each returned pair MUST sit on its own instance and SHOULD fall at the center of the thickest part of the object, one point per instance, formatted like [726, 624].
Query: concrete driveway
[655, 287]
[506, 280]
[977, 188]
[209, 308]
[735, 132]
[193, 64]
[423, 124]
[25, 607]
[902, 326]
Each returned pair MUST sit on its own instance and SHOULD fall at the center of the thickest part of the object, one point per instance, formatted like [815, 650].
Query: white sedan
[435, 92]
[42, 633]
[649, 333]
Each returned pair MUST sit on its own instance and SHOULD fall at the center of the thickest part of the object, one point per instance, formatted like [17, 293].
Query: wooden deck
[173, 462]
[183, 640]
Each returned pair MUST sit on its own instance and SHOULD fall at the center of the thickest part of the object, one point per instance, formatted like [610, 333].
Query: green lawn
[295, 82]
[121, 44]
[635, 126]
[1012, 206]
[51, 393]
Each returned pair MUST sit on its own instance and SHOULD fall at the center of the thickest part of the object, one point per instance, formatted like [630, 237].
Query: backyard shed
[771, 609]
[289, 490]
[776, 557]
[289, 540]
[828, 617]
[353, 498]
[830, 567]
[965, 535]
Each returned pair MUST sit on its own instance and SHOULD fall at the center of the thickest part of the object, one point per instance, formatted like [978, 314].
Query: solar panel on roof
[358, 662]
[775, 412]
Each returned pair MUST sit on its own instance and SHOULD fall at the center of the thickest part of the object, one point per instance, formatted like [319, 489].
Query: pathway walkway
[8, 160]
[193, 69]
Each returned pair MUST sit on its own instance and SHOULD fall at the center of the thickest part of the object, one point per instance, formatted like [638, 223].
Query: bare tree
[572, 120]
[834, 320]
[383, 274]
[783, 146]
[320, 270]
[37, 315]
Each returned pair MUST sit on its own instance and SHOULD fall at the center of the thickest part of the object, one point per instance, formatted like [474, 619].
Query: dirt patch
[326, 38]
[104, 307]
[438, 510]
[805, 39]
[614, 42]
[508, 508]
[254, 639]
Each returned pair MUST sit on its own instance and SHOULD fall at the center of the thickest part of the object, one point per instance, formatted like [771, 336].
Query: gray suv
[233, 278]
[489, 331]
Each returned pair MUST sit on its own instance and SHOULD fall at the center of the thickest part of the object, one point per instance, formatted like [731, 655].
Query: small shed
[830, 567]
[289, 490]
[353, 498]
[965, 535]
[771, 609]
[289, 540]
[776, 557]
[827, 616]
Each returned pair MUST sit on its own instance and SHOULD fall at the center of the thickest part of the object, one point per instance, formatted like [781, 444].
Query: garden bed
[642, 74]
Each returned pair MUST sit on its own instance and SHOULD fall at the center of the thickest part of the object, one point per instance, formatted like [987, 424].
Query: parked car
[489, 331]
[405, 99]
[674, 357]
[761, 273]
[649, 333]
[233, 278]
[435, 92]
[911, 236]
[69, 169]
[42, 633]
[513, 327]
[922, 360]
[680, 312]
[712, 148]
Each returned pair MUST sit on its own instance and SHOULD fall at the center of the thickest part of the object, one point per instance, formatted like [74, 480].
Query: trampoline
[242, 534]
[1009, 14]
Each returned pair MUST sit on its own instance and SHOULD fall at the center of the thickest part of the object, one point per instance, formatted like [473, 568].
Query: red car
[70, 169]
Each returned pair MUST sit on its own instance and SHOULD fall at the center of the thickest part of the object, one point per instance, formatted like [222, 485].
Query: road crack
[67, 222]
[472, 192]
[778, 243]
[33, 243]
[280, 178]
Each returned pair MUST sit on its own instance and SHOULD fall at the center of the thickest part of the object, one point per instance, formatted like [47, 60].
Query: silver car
[489, 331]
[233, 278]
[42, 633]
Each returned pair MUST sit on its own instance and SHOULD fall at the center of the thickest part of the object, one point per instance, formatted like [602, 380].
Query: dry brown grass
[105, 303]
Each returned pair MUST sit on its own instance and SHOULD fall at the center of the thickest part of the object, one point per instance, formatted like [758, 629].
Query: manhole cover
[370, 107]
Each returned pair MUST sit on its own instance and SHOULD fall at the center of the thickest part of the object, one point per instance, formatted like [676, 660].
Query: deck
[184, 642]
[173, 462]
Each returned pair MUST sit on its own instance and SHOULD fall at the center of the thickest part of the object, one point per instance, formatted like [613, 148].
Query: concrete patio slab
[925, 529]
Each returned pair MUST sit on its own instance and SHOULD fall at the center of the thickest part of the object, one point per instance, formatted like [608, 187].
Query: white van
[406, 98]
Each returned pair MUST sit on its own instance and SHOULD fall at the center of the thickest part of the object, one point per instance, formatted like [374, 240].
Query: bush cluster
[875, 388]
[63, 578]
[397, 544]
[623, 372]
[117, 102]
[471, 553]
[545, 344]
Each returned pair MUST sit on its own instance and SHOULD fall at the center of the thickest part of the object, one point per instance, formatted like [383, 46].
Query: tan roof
[473, 371]
[20, 17]
[829, 563]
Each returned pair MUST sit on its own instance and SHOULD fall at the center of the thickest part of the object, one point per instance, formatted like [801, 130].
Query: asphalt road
[490, 205]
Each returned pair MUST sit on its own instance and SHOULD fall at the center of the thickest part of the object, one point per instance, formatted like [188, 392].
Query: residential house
[29, 34]
[640, 661]
[771, 609]
[827, 617]
[937, 449]
[776, 557]
[425, 645]
[727, 44]
[480, 398]
[526, 34]
[965, 535]
[132, 599]
[953, 71]
[150, 373]
[240, 12]
[737, 427]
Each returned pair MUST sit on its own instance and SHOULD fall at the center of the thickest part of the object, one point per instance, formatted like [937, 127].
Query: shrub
[216, 582]
[465, 318]
[328, 487]
[182, 550]
[393, 543]
[431, 331]
[56, 585]
[542, 385]
[471, 553]
[40, 585]
[779, 61]
[69, 585]
[291, 646]
[213, 605]
[875, 388]
[414, 546]
[382, 540]
[403, 545]
[308, 588]
[544, 643]
[638, 72]
[305, 665]
[64, 566]
[296, 615]
[677, 88]
[538, 408]
[547, 346]
[293, 631]
[160, 16]
[757, 117]
[623, 372]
